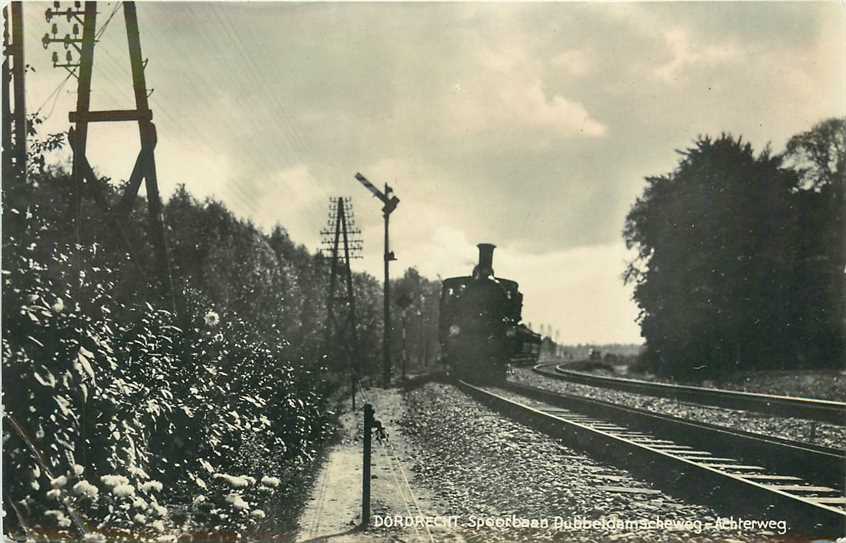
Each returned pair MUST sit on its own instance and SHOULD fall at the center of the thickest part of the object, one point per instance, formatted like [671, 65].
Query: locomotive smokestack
[485, 266]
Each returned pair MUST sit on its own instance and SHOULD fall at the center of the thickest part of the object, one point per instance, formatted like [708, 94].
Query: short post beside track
[365, 478]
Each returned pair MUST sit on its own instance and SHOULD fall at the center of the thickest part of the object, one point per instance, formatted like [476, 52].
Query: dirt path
[333, 511]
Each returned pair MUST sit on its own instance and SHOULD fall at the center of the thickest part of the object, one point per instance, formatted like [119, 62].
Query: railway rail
[787, 406]
[735, 472]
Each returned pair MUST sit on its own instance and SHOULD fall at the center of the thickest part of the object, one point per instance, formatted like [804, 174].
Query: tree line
[740, 256]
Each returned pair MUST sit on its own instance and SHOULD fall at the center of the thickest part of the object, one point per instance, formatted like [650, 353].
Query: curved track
[786, 406]
[735, 472]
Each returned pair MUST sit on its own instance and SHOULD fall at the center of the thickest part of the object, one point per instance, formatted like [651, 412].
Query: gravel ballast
[803, 430]
[481, 465]
[818, 384]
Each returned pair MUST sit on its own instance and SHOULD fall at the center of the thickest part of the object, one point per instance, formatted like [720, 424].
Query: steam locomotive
[479, 328]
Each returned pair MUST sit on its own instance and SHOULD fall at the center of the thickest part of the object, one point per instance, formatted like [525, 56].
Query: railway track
[734, 472]
[787, 406]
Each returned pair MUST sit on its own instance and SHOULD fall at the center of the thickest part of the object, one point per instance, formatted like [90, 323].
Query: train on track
[479, 329]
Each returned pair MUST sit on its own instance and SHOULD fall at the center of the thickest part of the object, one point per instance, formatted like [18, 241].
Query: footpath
[333, 510]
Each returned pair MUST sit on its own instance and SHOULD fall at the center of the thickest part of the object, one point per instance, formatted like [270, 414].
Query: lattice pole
[342, 243]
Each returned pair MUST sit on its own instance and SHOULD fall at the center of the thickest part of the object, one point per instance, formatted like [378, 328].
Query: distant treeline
[740, 256]
[584, 351]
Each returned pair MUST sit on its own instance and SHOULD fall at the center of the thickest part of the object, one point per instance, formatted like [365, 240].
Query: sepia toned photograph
[461, 272]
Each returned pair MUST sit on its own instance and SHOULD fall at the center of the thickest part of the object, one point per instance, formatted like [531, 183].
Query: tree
[819, 156]
[714, 260]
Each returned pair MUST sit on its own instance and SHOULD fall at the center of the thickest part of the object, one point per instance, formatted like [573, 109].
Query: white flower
[233, 480]
[61, 519]
[114, 480]
[94, 537]
[237, 502]
[159, 509]
[123, 491]
[212, 319]
[59, 482]
[54, 494]
[59, 306]
[257, 513]
[199, 499]
[84, 488]
[272, 482]
[139, 503]
[151, 485]
[164, 538]
[77, 469]
[138, 472]
[139, 518]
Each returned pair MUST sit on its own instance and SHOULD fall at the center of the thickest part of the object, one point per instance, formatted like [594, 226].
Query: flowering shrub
[127, 422]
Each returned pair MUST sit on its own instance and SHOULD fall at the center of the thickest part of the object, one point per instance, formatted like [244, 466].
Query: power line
[109, 20]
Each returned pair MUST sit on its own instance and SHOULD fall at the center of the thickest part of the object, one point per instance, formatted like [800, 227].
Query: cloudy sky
[527, 125]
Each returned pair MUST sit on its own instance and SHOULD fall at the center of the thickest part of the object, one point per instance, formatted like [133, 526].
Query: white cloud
[574, 62]
[508, 93]
[578, 291]
[684, 55]
[294, 198]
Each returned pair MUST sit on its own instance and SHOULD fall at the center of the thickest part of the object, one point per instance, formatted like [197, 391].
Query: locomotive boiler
[479, 329]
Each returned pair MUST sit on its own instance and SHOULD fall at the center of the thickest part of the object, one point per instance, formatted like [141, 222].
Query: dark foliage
[740, 258]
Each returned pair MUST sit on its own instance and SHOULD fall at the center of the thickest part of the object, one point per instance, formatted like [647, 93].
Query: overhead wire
[105, 25]
[292, 135]
[250, 83]
[247, 78]
[117, 67]
[255, 130]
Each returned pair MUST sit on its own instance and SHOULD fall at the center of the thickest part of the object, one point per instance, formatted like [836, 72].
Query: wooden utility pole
[18, 69]
[147, 133]
[14, 74]
[85, 181]
[83, 105]
[7, 104]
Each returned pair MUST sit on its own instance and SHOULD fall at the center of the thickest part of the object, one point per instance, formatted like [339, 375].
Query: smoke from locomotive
[479, 329]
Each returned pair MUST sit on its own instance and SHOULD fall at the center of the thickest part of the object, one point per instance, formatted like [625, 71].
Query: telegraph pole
[7, 105]
[20, 95]
[85, 181]
[14, 76]
[341, 228]
[390, 204]
[83, 104]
